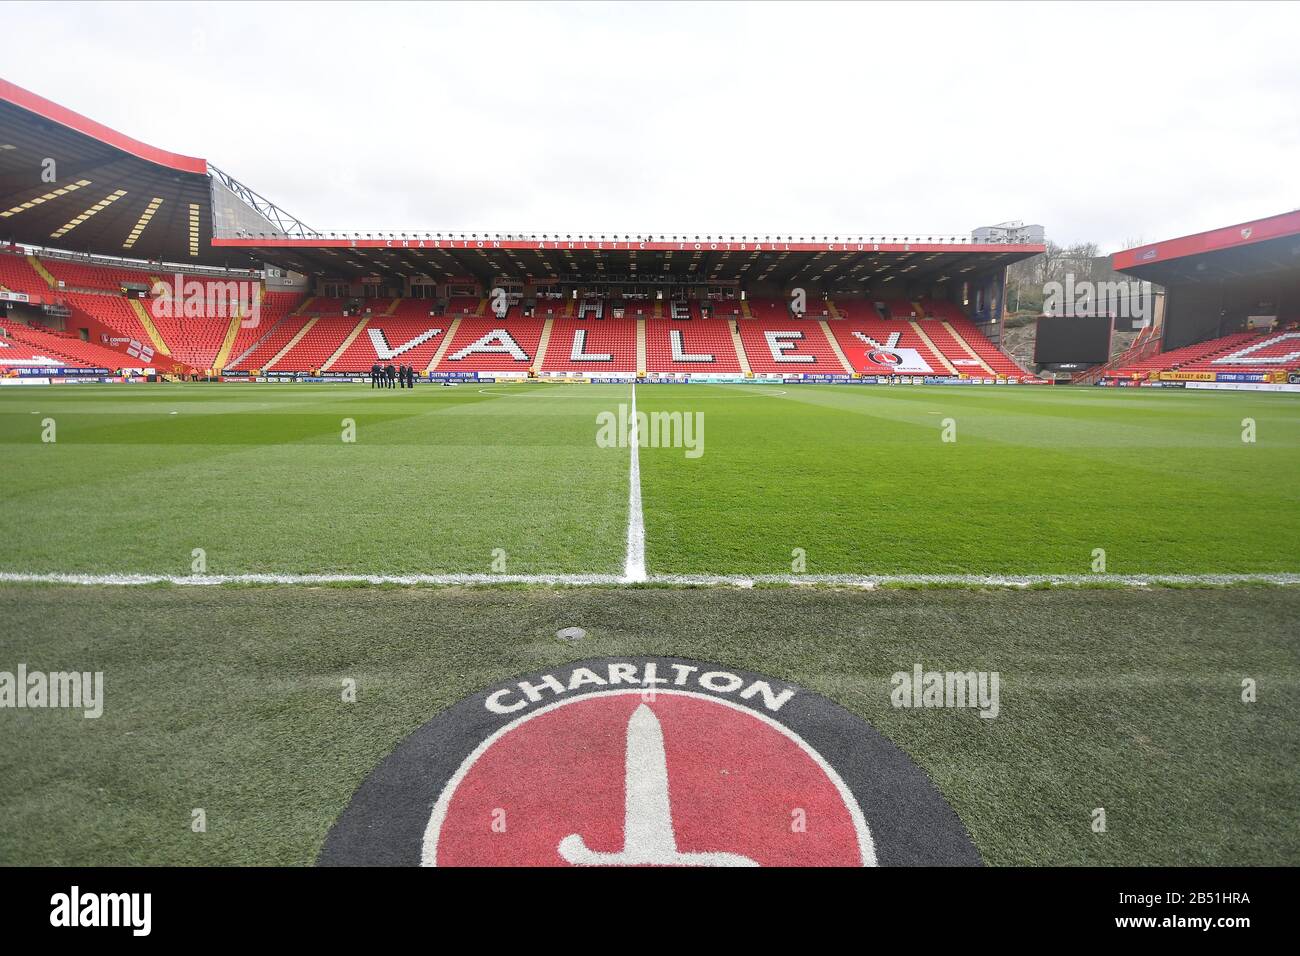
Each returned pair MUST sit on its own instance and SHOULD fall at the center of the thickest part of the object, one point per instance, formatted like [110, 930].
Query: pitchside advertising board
[647, 761]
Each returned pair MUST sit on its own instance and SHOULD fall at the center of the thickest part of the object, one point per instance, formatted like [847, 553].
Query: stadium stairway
[409, 340]
[993, 358]
[288, 346]
[809, 353]
[317, 344]
[834, 344]
[351, 337]
[542, 345]
[964, 346]
[239, 335]
[740, 348]
[146, 321]
[43, 272]
[18, 275]
[640, 340]
[228, 343]
[856, 336]
[690, 346]
[522, 334]
[239, 360]
[442, 346]
[929, 344]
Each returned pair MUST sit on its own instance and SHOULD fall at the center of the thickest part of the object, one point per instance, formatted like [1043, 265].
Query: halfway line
[634, 566]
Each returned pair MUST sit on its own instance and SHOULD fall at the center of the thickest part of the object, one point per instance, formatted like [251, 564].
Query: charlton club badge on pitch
[647, 762]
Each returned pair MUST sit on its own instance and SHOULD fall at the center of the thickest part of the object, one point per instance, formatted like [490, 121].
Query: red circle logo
[633, 778]
[647, 761]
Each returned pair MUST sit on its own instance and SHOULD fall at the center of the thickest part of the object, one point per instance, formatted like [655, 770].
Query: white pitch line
[634, 566]
[681, 580]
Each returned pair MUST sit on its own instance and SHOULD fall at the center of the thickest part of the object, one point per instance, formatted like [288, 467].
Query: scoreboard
[1076, 339]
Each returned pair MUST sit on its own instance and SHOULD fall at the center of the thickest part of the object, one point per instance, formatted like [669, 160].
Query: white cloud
[1102, 122]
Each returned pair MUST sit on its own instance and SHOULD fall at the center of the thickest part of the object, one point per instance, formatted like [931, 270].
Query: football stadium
[689, 548]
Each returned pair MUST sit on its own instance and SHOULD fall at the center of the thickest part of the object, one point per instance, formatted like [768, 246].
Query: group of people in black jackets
[386, 376]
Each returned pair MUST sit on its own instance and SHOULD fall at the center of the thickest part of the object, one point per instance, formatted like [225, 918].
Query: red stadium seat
[702, 346]
[591, 347]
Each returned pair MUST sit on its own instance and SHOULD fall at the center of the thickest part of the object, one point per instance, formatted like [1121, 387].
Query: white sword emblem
[648, 838]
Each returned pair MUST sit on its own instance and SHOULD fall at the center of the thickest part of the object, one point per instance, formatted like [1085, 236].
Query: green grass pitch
[442, 480]
[227, 698]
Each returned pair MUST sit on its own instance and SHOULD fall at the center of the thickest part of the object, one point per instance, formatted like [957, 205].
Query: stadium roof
[108, 194]
[71, 183]
[1256, 248]
[827, 261]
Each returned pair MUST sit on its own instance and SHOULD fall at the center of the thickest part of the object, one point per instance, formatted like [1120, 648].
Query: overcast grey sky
[1103, 122]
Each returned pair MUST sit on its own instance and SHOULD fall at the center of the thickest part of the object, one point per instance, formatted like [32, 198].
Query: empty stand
[701, 346]
[1198, 352]
[393, 338]
[876, 346]
[580, 346]
[69, 349]
[17, 275]
[274, 307]
[270, 344]
[1270, 352]
[314, 349]
[487, 345]
[788, 346]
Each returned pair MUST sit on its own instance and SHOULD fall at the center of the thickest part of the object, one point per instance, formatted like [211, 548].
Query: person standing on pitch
[390, 374]
[374, 375]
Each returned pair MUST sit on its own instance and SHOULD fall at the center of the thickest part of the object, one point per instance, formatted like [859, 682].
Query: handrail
[1139, 350]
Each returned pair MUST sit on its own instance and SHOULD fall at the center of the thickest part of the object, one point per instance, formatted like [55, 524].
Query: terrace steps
[150, 329]
[223, 353]
[740, 346]
[442, 346]
[542, 343]
[936, 351]
[297, 337]
[343, 347]
[43, 272]
[961, 341]
[835, 346]
[241, 357]
[640, 344]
